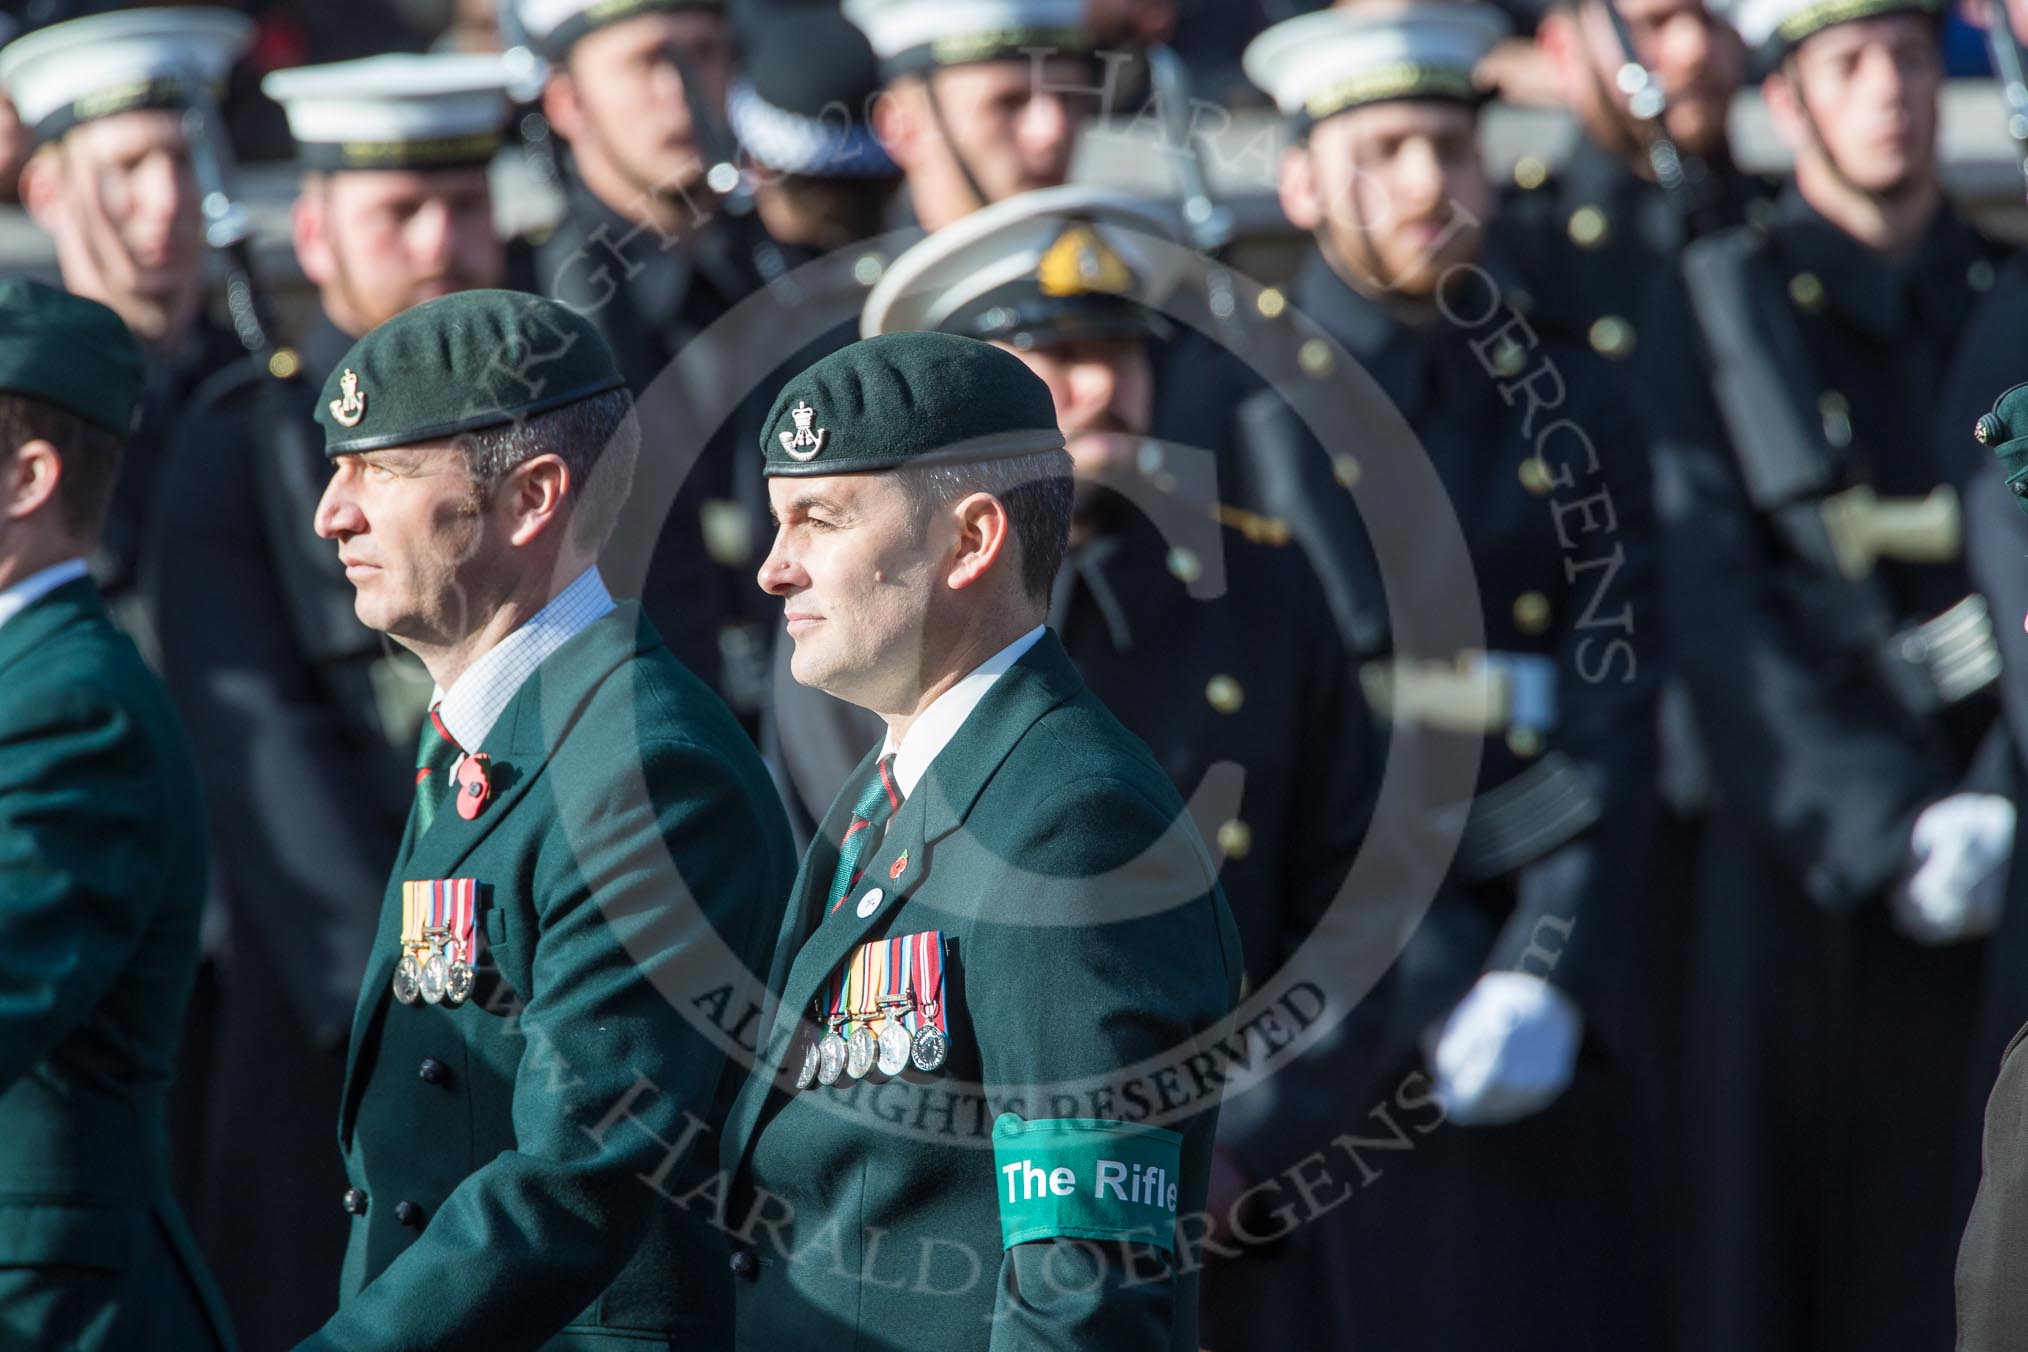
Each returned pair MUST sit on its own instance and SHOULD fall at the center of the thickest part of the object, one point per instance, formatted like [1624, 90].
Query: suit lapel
[534, 722]
[1040, 681]
[75, 602]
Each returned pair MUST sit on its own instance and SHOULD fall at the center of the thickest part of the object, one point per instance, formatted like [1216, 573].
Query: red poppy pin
[899, 867]
[474, 789]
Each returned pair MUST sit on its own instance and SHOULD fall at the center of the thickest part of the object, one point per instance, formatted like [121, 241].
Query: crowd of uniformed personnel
[1576, 616]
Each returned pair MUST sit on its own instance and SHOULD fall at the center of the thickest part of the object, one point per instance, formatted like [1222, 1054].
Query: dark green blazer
[1089, 951]
[102, 861]
[512, 1158]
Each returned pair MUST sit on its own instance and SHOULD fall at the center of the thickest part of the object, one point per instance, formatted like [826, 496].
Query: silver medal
[436, 976]
[458, 985]
[860, 1052]
[931, 1048]
[831, 1057]
[895, 1045]
[807, 1076]
[407, 980]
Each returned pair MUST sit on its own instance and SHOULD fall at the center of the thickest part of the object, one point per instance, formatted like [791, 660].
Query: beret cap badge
[804, 443]
[347, 410]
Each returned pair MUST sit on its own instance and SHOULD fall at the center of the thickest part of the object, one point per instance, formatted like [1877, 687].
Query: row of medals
[827, 1058]
[438, 978]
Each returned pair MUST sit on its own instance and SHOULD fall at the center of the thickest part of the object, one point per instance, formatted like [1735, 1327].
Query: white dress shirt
[476, 699]
[935, 726]
[35, 586]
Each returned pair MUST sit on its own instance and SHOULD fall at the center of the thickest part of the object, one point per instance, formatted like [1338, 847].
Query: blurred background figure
[305, 722]
[1509, 1002]
[822, 180]
[111, 182]
[1845, 675]
[101, 874]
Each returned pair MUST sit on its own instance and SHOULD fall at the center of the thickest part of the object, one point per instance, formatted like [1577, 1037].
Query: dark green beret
[2004, 431]
[68, 351]
[908, 399]
[460, 363]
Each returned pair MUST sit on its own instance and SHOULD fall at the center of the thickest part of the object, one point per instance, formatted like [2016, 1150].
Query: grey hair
[598, 439]
[1035, 489]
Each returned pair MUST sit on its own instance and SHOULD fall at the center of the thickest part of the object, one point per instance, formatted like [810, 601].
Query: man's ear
[560, 106]
[310, 229]
[899, 123]
[985, 536]
[1302, 202]
[1783, 100]
[42, 185]
[29, 480]
[536, 497]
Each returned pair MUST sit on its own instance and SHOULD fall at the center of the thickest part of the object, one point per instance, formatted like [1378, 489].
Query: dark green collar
[75, 602]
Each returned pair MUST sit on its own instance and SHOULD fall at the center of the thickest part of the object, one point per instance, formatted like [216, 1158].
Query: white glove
[1957, 883]
[1508, 1050]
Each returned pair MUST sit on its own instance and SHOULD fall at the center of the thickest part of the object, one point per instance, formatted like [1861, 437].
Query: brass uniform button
[727, 531]
[1535, 476]
[1837, 413]
[284, 363]
[1612, 336]
[868, 269]
[1530, 173]
[1509, 357]
[1345, 469]
[1235, 839]
[1589, 228]
[1225, 694]
[1315, 358]
[1532, 612]
[1183, 565]
[1807, 291]
[1271, 302]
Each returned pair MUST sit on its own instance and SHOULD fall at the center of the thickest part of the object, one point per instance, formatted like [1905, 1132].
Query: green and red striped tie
[434, 759]
[877, 802]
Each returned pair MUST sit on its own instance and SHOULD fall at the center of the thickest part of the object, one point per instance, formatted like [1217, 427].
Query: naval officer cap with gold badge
[128, 61]
[1319, 65]
[397, 111]
[1052, 266]
[914, 36]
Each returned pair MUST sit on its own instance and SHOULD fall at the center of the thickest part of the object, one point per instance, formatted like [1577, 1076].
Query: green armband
[1086, 1178]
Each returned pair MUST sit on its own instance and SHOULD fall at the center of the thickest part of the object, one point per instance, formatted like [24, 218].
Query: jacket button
[355, 1202]
[742, 1263]
[434, 1071]
[407, 1213]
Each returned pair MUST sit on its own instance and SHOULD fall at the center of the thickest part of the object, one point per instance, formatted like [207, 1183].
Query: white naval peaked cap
[1771, 28]
[553, 26]
[398, 111]
[1075, 261]
[917, 35]
[1318, 65]
[102, 64]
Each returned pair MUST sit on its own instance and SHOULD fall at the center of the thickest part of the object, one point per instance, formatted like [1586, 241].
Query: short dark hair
[90, 454]
[598, 439]
[1036, 490]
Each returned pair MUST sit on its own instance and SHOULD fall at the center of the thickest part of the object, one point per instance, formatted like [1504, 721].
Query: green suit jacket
[101, 894]
[512, 1158]
[1089, 952]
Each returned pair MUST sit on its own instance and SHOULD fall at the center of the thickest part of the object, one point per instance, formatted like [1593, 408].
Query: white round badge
[870, 903]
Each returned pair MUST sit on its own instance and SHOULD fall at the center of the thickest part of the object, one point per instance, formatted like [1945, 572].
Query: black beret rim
[993, 446]
[476, 423]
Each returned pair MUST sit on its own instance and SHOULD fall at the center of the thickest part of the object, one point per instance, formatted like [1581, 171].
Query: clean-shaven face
[415, 540]
[856, 569]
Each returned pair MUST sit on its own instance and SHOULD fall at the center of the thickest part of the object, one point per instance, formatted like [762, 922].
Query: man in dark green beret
[966, 1126]
[591, 872]
[1992, 1302]
[277, 679]
[102, 861]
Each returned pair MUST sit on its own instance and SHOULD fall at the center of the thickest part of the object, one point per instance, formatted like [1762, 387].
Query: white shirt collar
[35, 586]
[476, 699]
[935, 726]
